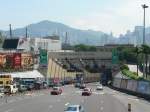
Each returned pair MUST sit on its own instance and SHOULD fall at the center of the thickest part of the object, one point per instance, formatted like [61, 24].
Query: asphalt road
[107, 100]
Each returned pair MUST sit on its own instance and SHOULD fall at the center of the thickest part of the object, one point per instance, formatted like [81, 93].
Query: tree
[137, 50]
[146, 52]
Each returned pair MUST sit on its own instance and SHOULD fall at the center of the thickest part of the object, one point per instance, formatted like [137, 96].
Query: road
[107, 100]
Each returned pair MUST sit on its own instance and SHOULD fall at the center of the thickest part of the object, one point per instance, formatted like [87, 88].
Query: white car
[74, 108]
[99, 87]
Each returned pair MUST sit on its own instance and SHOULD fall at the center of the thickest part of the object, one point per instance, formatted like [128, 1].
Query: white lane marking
[51, 106]
[134, 99]
[67, 104]
[9, 110]
[58, 100]
[101, 108]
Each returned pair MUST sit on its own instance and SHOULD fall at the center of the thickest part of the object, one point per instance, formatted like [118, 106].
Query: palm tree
[146, 52]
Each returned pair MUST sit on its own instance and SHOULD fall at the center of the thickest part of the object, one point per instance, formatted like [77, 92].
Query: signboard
[27, 61]
[115, 56]
[17, 60]
[43, 58]
[2, 60]
[9, 61]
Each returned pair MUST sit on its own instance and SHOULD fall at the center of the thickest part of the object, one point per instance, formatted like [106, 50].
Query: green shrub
[124, 67]
[130, 74]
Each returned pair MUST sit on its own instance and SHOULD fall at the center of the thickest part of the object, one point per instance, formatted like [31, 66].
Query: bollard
[129, 107]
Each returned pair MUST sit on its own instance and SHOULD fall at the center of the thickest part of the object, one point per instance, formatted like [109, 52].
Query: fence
[141, 87]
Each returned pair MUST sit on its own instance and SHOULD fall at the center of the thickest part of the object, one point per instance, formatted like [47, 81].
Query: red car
[87, 92]
[56, 91]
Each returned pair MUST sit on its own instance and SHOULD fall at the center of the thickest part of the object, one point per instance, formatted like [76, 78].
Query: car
[82, 86]
[99, 87]
[74, 108]
[77, 85]
[56, 91]
[1, 93]
[86, 92]
[22, 88]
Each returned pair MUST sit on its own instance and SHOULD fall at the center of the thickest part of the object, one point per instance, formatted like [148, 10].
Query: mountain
[75, 36]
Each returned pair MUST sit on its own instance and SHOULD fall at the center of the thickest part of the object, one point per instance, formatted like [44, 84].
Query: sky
[115, 16]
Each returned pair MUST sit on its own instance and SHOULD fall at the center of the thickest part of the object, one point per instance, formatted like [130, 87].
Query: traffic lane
[49, 103]
[37, 104]
[137, 104]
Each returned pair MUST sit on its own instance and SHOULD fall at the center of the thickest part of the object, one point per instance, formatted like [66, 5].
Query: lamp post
[144, 6]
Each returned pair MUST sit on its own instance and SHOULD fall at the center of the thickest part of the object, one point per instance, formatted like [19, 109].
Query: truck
[11, 89]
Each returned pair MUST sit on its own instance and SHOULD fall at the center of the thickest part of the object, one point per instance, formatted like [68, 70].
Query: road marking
[67, 104]
[101, 108]
[102, 101]
[58, 100]
[51, 106]
[134, 99]
[9, 110]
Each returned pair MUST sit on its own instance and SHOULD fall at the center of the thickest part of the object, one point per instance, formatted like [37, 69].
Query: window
[7, 82]
[1, 82]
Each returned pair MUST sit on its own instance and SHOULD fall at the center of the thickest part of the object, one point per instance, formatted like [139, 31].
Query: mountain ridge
[46, 28]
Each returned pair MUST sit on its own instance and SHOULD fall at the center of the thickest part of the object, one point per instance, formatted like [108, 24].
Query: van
[12, 89]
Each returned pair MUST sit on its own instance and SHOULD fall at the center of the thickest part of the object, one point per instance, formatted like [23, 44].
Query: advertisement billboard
[26, 60]
[9, 61]
[17, 60]
[2, 60]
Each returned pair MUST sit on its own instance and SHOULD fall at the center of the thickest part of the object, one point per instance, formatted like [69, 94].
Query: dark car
[87, 92]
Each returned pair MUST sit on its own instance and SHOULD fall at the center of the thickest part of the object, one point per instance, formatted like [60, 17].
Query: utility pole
[144, 6]
[10, 31]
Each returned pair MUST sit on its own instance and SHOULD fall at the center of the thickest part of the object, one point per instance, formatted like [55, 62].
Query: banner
[9, 60]
[43, 58]
[2, 60]
[27, 61]
[17, 60]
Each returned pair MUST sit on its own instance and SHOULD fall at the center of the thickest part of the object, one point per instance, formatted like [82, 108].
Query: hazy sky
[104, 15]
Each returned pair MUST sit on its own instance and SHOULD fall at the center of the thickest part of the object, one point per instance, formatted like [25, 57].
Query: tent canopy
[27, 74]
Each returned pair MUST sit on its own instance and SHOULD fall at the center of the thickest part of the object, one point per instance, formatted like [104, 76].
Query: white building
[50, 43]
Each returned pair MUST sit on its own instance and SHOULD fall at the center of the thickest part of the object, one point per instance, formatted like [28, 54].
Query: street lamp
[144, 6]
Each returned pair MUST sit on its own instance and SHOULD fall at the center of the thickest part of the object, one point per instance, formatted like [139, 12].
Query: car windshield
[55, 88]
[72, 109]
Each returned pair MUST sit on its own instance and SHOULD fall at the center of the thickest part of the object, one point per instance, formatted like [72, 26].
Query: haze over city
[115, 16]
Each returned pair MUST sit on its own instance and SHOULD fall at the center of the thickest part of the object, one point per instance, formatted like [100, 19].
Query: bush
[124, 67]
[130, 74]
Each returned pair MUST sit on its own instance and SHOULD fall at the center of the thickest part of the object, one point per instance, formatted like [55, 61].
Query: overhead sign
[115, 57]
[43, 58]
